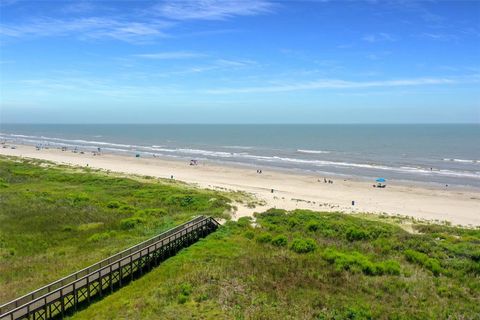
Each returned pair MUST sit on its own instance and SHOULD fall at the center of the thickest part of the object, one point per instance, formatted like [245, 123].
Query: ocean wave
[238, 147]
[67, 141]
[312, 151]
[412, 170]
[461, 160]
[244, 156]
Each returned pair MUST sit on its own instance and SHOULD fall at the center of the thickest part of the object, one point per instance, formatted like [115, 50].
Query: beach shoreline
[458, 205]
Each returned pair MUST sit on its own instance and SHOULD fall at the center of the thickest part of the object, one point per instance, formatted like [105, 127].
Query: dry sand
[291, 190]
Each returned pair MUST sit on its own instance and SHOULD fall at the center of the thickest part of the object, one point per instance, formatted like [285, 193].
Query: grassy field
[280, 265]
[55, 220]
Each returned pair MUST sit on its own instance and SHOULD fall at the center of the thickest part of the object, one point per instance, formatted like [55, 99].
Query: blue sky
[212, 61]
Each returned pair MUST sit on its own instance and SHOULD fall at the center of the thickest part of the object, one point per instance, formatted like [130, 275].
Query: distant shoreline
[427, 158]
[291, 190]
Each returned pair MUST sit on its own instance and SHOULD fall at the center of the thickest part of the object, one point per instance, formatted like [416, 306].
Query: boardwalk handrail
[176, 233]
[86, 271]
[188, 227]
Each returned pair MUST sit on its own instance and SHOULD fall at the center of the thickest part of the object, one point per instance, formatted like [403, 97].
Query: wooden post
[62, 303]
[88, 289]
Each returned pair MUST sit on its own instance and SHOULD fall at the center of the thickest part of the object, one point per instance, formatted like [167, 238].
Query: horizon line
[243, 123]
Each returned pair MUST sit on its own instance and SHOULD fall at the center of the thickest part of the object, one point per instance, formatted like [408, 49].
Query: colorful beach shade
[381, 180]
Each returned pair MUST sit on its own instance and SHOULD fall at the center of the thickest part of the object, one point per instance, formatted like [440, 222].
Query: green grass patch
[232, 275]
[56, 220]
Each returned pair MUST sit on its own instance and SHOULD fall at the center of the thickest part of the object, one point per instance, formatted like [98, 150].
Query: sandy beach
[291, 190]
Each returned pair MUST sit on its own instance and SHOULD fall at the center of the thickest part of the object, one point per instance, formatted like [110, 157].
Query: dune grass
[307, 265]
[282, 265]
[56, 220]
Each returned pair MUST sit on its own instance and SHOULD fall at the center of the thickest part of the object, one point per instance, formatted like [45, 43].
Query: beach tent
[381, 180]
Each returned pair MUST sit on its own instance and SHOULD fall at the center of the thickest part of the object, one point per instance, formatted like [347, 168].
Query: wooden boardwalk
[70, 293]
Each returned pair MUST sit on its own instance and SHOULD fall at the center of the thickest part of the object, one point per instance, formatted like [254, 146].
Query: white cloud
[212, 9]
[92, 27]
[170, 55]
[79, 7]
[439, 36]
[334, 84]
[382, 36]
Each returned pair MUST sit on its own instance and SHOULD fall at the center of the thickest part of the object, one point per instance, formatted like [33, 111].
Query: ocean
[439, 154]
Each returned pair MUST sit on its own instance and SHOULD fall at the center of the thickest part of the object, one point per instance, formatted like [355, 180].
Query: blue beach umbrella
[381, 180]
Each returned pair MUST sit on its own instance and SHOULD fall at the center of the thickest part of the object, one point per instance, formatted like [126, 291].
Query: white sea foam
[312, 151]
[462, 160]
[238, 147]
[245, 156]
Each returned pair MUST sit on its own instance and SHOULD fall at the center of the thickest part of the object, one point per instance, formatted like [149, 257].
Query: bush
[424, 260]
[313, 226]
[355, 261]
[182, 298]
[280, 241]
[157, 213]
[264, 238]
[130, 223]
[303, 245]
[390, 267]
[293, 222]
[244, 222]
[249, 235]
[99, 236]
[113, 205]
[78, 199]
[183, 201]
[354, 234]
[272, 213]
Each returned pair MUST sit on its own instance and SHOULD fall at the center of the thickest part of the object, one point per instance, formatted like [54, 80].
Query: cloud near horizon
[336, 84]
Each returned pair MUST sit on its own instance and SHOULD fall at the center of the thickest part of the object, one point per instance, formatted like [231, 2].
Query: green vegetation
[283, 265]
[54, 221]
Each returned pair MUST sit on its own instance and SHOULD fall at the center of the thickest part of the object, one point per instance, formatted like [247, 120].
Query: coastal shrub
[249, 235]
[264, 238]
[424, 260]
[357, 262]
[77, 199]
[156, 213]
[354, 234]
[181, 298]
[293, 222]
[181, 200]
[313, 226]
[390, 267]
[303, 245]
[113, 205]
[127, 208]
[244, 222]
[130, 223]
[68, 228]
[280, 241]
[185, 291]
[100, 236]
[272, 213]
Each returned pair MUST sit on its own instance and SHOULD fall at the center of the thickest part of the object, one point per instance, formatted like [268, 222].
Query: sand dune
[457, 205]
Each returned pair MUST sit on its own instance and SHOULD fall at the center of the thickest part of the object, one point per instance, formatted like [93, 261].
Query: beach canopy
[381, 180]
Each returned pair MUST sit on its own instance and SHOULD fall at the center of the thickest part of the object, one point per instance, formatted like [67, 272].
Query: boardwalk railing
[71, 292]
